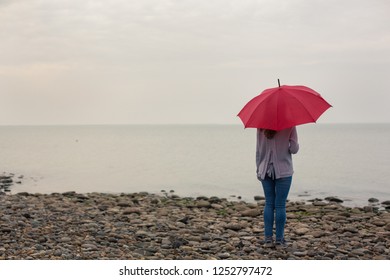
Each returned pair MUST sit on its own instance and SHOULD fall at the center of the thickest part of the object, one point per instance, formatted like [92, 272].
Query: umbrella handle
[279, 82]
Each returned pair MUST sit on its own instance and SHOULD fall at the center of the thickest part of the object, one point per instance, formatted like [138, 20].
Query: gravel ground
[148, 226]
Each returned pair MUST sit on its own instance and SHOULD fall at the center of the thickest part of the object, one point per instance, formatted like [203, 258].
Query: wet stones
[334, 199]
[258, 198]
[7, 180]
[373, 200]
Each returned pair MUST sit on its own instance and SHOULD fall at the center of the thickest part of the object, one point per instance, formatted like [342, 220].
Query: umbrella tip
[279, 82]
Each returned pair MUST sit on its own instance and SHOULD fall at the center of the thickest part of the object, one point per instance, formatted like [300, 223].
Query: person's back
[274, 170]
[277, 147]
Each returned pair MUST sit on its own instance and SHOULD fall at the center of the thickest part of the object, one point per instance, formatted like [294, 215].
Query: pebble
[203, 203]
[300, 254]
[147, 226]
[379, 223]
[318, 233]
[319, 203]
[334, 199]
[251, 213]
[66, 239]
[233, 226]
[351, 229]
[301, 231]
[223, 256]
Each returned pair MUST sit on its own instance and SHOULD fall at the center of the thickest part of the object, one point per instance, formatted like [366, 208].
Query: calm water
[348, 161]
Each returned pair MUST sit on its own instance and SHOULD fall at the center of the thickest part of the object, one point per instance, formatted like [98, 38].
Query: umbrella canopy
[282, 107]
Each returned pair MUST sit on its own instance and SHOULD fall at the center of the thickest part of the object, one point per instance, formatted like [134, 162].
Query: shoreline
[98, 226]
[11, 182]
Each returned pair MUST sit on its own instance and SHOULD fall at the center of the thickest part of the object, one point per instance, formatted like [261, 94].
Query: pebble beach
[99, 226]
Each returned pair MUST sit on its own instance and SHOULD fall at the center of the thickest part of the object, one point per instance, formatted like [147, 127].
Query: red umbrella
[282, 107]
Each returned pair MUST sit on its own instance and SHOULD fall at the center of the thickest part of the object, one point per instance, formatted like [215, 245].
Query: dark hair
[269, 133]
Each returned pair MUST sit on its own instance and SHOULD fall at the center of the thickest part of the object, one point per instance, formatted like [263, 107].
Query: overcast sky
[188, 61]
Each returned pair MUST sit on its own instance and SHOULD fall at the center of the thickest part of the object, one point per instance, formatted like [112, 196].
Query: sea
[348, 161]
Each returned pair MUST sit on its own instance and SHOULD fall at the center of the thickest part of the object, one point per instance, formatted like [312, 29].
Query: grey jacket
[277, 151]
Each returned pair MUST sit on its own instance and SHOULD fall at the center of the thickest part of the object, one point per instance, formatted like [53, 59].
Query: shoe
[268, 242]
[281, 244]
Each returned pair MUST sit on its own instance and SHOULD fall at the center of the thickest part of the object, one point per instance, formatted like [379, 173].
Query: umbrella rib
[304, 107]
[250, 118]
[252, 115]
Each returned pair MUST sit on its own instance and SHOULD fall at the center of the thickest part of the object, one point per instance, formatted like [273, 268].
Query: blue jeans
[275, 192]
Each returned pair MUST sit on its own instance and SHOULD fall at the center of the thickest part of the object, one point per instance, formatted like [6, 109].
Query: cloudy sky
[188, 61]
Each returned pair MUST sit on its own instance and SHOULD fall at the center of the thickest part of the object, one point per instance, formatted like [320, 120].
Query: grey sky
[188, 61]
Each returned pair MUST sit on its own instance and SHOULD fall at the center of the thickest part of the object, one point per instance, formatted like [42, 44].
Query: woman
[275, 170]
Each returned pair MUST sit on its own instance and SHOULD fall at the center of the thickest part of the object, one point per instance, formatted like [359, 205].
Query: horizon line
[176, 124]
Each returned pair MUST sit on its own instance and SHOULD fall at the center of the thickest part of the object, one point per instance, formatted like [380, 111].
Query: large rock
[301, 230]
[203, 204]
[251, 213]
[334, 199]
[234, 226]
[319, 203]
